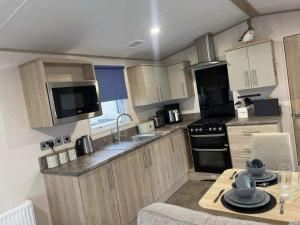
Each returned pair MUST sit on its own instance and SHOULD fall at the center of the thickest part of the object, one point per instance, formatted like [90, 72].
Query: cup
[285, 180]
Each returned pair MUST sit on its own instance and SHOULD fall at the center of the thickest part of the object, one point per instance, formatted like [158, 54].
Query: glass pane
[111, 110]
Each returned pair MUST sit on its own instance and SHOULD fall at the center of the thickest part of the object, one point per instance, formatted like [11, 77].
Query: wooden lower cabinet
[240, 141]
[113, 194]
[179, 154]
[161, 166]
[132, 184]
[99, 197]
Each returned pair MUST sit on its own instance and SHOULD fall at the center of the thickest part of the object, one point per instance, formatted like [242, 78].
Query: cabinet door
[99, 197]
[178, 85]
[262, 71]
[179, 154]
[161, 167]
[162, 83]
[238, 69]
[132, 184]
[150, 74]
[240, 141]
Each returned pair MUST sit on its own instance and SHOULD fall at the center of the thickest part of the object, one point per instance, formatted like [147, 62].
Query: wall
[273, 27]
[19, 145]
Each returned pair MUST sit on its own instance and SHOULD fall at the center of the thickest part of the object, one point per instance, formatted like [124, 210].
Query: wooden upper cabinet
[161, 167]
[132, 184]
[251, 66]
[99, 197]
[181, 83]
[148, 84]
[34, 76]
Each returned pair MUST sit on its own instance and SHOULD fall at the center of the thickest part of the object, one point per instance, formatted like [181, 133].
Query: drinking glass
[285, 180]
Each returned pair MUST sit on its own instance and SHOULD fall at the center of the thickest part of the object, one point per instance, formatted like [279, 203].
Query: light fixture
[154, 30]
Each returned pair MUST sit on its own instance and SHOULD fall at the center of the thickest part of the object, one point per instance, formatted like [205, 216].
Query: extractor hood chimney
[206, 53]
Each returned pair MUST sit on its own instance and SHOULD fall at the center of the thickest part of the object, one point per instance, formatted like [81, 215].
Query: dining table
[291, 211]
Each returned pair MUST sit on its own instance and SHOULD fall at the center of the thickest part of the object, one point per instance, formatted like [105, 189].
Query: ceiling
[105, 27]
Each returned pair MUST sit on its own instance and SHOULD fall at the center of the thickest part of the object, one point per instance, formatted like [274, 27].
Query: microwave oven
[73, 101]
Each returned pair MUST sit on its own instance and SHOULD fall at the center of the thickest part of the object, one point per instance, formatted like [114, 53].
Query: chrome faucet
[117, 137]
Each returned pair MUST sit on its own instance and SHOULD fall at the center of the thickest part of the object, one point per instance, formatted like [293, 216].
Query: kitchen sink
[132, 141]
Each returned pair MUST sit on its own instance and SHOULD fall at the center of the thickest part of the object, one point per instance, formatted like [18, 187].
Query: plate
[269, 178]
[246, 206]
[257, 197]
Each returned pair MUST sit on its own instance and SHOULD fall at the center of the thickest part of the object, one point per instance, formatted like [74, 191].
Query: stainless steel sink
[132, 141]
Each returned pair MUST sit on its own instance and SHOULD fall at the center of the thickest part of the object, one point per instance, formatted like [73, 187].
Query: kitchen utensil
[243, 181]
[146, 127]
[84, 145]
[281, 204]
[285, 180]
[257, 163]
[52, 161]
[72, 154]
[220, 193]
[264, 184]
[232, 176]
[269, 177]
[63, 157]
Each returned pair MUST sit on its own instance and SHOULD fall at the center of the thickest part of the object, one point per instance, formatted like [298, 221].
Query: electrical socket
[58, 141]
[66, 139]
[44, 145]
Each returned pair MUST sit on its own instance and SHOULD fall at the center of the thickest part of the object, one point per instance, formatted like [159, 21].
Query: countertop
[254, 120]
[100, 157]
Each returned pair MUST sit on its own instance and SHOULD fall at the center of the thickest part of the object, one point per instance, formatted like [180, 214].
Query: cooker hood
[206, 53]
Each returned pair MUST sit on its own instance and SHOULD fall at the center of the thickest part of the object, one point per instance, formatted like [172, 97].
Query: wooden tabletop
[291, 207]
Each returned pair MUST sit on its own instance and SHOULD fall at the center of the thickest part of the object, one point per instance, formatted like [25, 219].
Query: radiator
[20, 215]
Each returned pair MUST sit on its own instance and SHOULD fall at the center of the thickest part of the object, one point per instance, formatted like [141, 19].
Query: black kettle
[84, 145]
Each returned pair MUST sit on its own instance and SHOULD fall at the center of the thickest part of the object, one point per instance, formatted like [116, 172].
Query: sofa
[165, 214]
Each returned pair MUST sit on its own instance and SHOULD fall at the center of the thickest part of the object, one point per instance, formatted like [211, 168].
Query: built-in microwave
[73, 101]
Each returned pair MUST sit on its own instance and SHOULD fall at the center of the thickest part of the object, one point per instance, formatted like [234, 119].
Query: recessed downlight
[154, 30]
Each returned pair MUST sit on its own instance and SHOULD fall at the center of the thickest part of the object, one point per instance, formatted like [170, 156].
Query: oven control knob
[192, 130]
[215, 129]
[200, 129]
[210, 129]
[196, 129]
[220, 129]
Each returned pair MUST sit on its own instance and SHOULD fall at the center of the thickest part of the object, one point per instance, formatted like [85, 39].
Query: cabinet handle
[145, 160]
[246, 79]
[109, 179]
[112, 179]
[247, 150]
[297, 115]
[254, 78]
[161, 95]
[149, 158]
[183, 91]
[157, 93]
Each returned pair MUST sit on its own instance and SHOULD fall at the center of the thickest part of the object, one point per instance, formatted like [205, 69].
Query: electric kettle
[84, 145]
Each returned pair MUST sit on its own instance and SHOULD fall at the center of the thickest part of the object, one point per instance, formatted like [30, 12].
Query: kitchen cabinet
[148, 84]
[132, 184]
[161, 166]
[240, 141]
[180, 80]
[37, 73]
[179, 154]
[99, 198]
[251, 66]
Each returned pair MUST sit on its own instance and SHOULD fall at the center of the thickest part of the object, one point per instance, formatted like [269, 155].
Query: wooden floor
[190, 193]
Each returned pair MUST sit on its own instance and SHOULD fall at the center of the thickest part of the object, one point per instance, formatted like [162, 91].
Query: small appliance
[84, 145]
[146, 127]
[266, 107]
[159, 119]
[172, 113]
[73, 101]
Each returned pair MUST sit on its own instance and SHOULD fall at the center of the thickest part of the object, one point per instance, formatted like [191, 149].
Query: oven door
[211, 160]
[208, 140]
[73, 101]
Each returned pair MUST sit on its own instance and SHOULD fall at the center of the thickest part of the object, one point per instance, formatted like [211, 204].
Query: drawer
[246, 131]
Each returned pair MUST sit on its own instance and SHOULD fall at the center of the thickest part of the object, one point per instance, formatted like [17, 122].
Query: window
[110, 110]
[113, 97]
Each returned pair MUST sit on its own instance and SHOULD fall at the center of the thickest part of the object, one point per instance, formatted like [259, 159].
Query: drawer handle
[247, 149]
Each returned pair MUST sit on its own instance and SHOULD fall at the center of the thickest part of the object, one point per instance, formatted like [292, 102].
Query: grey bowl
[256, 171]
[244, 192]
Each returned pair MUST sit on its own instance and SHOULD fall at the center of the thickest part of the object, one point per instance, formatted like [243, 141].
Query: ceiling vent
[135, 43]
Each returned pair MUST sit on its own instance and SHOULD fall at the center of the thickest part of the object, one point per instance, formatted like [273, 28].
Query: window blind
[111, 83]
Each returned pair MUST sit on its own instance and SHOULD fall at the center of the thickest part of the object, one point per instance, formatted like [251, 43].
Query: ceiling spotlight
[154, 30]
